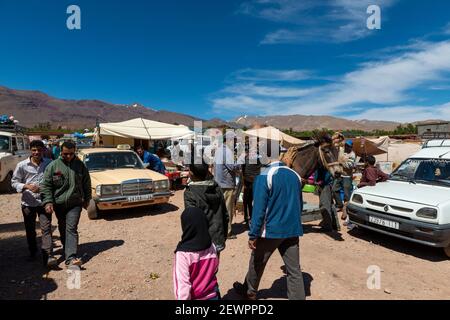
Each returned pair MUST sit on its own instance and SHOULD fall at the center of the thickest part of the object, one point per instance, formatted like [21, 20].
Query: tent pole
[146, 129]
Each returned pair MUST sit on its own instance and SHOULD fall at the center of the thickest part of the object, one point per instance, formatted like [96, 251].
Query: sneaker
[242, 291]
[74, 262]
[52, 262]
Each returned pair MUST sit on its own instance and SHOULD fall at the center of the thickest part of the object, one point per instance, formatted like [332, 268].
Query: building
[434, 130]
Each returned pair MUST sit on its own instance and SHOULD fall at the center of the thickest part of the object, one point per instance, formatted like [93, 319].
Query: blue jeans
[68, 219]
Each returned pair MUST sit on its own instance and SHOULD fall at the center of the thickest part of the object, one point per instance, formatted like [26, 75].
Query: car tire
[5, 185]
[92, 210]
[447, 251]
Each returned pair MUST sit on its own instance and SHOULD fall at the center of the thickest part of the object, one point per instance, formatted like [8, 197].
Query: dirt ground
[128, 255]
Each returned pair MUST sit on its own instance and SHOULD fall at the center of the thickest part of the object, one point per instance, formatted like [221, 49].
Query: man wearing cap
[345, 182]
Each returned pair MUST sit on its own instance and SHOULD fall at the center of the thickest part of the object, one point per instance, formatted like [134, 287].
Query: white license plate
[140, 198]
[384, 222]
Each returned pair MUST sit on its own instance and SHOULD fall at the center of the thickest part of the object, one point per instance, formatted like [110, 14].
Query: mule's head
[328, 154]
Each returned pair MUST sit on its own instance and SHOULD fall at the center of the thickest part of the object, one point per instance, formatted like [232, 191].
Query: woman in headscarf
[196, 262]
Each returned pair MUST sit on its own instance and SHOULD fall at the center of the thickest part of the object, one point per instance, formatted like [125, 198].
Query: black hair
[200, 171]
[68, 145]
[37, 144]
[140, 147]
[371, 160]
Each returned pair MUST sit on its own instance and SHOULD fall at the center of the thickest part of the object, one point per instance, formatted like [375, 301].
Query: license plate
[140, 198]
[384, 222]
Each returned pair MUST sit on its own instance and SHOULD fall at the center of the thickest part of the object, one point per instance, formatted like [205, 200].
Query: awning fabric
[271, 133]
[140, 128]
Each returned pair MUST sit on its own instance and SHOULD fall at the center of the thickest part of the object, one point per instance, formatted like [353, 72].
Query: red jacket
[371, 175]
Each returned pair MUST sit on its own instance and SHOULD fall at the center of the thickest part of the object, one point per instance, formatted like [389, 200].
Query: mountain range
[32, 108]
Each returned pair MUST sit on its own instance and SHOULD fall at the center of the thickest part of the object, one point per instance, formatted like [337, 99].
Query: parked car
[14, 147]
[120, 180]
[414, 204]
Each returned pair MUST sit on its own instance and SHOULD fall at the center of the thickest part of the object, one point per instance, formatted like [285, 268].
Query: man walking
[26, 180]
[345, 182]
[66, 188]
[275, 224]
[225, 171]
[250, 170]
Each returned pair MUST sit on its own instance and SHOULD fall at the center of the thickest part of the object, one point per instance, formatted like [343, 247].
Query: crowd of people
[272, 205]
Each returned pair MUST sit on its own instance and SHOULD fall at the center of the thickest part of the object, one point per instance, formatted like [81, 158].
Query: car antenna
[444, 154]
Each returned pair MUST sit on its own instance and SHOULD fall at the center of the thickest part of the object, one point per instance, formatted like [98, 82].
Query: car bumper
[121, 202]
[420, 232]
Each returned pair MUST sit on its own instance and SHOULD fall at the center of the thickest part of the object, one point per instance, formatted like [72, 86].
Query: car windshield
[430, 171]
[4, 143]
[112, 160]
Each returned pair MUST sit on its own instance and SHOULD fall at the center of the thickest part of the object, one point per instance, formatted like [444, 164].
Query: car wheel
[92, 210]
[447, 251]
[5, 185]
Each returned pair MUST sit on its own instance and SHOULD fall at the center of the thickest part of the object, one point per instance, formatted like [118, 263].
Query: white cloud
[270, 75]
[391, 82]
[314, 20]
[406, 113]
[251, 89]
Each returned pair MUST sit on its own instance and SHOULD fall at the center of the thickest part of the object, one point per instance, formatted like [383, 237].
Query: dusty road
[128, 255]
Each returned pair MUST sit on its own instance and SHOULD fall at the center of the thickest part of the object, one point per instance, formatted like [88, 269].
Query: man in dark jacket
[66, 188]
[250, 170]
[204, 193]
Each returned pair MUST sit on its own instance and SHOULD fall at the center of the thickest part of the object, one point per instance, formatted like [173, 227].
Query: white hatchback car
[414, 204]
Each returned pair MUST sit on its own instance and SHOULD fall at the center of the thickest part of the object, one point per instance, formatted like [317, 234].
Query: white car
[414, 204]
[14, 147]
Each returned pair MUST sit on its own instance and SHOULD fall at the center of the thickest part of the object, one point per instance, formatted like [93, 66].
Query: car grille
[136, 187]
[382, 205]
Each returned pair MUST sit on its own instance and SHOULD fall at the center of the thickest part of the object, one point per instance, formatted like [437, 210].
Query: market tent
[271, 133]
[399, 151]
[140, 128]
[372, 147]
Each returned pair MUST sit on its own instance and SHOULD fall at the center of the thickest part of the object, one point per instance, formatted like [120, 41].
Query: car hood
[431, 195]
[117, 176]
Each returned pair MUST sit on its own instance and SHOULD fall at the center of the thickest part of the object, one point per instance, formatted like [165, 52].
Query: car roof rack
[436, 143]
[13, 128]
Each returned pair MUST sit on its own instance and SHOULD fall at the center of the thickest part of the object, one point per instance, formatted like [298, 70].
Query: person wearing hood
[196, 261]
[204, 193]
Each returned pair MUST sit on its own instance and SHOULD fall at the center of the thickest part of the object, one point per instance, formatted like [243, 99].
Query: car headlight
[357, 198]
[427, 213]
[110, 190]
[161, 185]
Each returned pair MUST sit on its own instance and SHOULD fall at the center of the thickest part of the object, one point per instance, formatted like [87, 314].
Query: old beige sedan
[120, 180]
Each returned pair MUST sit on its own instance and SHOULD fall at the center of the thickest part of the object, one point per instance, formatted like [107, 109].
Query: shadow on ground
[400, 245]
[29, 280]
[278, 290]
[335, 235]
[133, 213]
[21, 279]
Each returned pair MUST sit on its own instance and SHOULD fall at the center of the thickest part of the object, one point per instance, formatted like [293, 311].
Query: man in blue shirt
[154, 162]
[275, 224]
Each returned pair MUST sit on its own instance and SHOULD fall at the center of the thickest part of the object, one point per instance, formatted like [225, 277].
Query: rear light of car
[427, 213]
[357, 198]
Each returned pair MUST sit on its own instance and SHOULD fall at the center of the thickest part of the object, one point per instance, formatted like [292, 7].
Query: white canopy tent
[271, 133]
[140, 128]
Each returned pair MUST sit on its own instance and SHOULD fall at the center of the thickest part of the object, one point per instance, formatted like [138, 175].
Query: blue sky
[229, 58]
